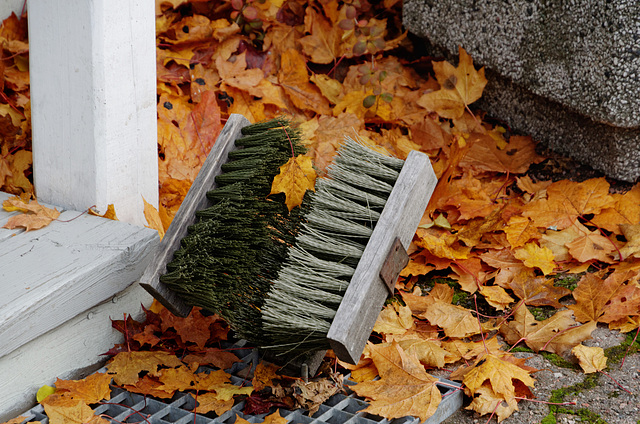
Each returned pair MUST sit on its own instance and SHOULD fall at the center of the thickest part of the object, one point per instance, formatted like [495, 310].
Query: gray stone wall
[584, 54]
[565, 71]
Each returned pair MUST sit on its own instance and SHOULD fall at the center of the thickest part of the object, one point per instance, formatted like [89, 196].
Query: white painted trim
[70, 351]
[93, 103]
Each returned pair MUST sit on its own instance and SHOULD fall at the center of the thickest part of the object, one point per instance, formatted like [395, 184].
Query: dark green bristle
[276, 276]
[230, 256]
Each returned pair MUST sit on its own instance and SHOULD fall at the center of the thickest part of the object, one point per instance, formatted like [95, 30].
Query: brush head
[276, 276]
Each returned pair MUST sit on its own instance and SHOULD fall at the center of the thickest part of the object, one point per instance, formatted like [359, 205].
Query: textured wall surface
[565, 72]
[584, 54]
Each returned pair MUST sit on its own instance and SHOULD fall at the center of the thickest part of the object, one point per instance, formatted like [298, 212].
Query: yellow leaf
[330, 88]
[152, 216]
[110, 213]
[455, 320]
[496, 296]
[92, 389]
[535, 256]
[459, 87]
[36, 216]
[404, 387]
[210, 402]
[66, 410]
[591, 359]
[43, 392]
[499, 373]
[295, 178]
[394, 319]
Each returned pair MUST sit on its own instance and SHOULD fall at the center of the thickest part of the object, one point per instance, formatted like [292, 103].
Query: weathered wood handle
[366, 293]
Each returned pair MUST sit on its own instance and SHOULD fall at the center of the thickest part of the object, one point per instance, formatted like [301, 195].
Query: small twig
[475, 300]
[629, 348]
[293, 154]
[615, 381]
[76, 217]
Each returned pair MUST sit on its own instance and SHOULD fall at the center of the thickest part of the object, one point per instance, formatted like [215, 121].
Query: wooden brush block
[195, 200]
[367, 292]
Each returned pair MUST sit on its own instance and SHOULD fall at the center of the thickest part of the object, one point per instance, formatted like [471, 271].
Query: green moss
[521, 349]
[558, 360]
[615, 354]
[541, 313]
[568, 281]
[549, 419]
[558, 396]
[613, 394]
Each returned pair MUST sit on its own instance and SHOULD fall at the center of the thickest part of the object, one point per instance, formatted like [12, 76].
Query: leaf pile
[15, 108]
[163, 355]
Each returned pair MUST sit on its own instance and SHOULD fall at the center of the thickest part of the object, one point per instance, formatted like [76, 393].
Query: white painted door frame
[93, 104]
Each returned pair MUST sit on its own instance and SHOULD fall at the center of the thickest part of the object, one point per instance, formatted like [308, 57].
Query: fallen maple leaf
[394, 319]
[496, 296]
[36, 216]
[567, 200]
[487, 401]
[294, 79]
[592, 296]
[92, 389]
[152, 216]
[556, 334]
[591, 359]
[515, 156]
[535, 256]
[459, 87]
[263, 375]
[208, 402]
[537, 291]
[455, 320]
[126, 366]
[499, 373]
[404, 387]
[295, 178]
[66, 410]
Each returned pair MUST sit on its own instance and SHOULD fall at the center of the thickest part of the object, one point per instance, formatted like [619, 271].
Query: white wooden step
[58, 275]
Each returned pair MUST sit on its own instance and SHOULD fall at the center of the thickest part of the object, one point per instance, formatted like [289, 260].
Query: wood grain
[366, 293]
[195, 200]
[50, 275]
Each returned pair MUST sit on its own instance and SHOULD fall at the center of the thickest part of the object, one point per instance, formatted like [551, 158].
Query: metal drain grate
[126, 407]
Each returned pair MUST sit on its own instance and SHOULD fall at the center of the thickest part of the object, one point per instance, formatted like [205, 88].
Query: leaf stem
[629, 348]
[615, 381]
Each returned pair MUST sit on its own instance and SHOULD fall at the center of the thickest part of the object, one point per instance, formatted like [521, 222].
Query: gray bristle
[298, 312]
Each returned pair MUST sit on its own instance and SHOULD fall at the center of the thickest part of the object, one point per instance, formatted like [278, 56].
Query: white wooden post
[93, 104]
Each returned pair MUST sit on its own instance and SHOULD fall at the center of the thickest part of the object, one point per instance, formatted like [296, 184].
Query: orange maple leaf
[66, 410]
[294, 79]
[567, 200]
[36, 216]
[556, 334]
[92, 389]
[404, 387]
[126, 366]
[295, 178]
[459, 87]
